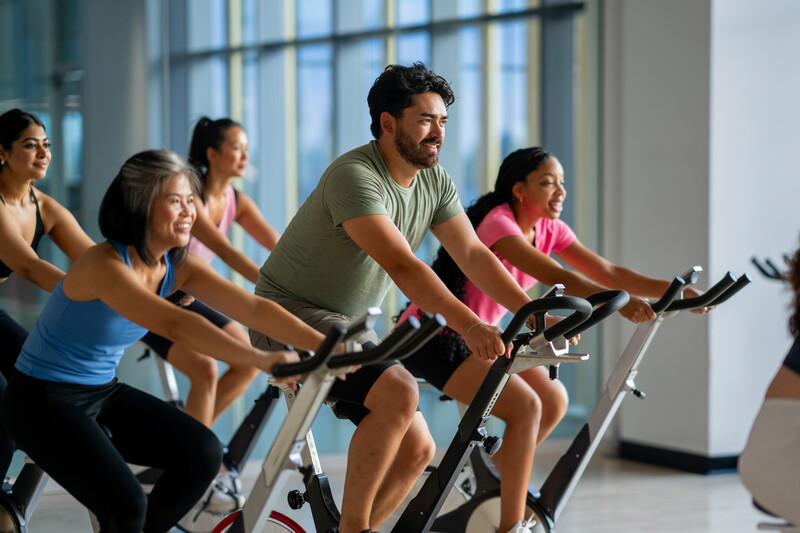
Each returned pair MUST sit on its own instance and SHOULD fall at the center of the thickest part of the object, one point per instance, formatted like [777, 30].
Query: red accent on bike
[286, 521]
[228, 520]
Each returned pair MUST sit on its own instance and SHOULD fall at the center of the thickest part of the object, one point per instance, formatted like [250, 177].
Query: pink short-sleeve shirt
[551, 236]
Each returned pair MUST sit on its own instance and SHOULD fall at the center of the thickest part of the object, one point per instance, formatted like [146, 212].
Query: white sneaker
[217, 502]
[223, 499]
[229, 479]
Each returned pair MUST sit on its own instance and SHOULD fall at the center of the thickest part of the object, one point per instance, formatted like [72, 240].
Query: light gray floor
[613, 496]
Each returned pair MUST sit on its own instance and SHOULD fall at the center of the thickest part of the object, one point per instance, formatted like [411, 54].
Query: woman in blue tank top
[63, 405]
[770, 462]
[27, 214]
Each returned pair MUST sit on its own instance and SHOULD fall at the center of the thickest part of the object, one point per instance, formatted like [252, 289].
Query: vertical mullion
[290, 124]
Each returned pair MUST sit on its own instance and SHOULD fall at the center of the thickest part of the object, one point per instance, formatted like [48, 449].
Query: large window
[296, 74]
[41, 73]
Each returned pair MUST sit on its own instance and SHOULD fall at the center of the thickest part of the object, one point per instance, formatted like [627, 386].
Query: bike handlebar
[382, 351]
[743, 280]
[581, 309]
[670, 294]
[706, 298]
[769, 271]
[323, 355]
[431, 326]
[366, 321]
[608, 302]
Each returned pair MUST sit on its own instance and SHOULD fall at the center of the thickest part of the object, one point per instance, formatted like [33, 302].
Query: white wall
[755, 187]
[698, 105]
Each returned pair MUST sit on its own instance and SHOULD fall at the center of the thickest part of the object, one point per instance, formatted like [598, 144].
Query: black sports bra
[37, 234]
[793, 357]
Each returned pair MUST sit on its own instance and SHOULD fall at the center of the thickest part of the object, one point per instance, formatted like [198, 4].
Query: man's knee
[421, 444]
[395, 391]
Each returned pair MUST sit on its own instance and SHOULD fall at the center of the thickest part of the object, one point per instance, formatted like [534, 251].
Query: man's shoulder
[363, 156]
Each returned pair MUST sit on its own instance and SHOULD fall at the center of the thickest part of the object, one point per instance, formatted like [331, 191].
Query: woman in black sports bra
[770, 462]
[25, 215]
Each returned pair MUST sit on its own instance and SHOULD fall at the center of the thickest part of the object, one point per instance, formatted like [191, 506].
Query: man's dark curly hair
[394, 88]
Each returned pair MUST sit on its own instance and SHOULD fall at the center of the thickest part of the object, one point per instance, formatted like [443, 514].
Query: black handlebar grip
[704, 299]
[431, 326]
[379, 352]
[670, 294]
[580, 307]
[743, 280]
[334, 337]
[609, 302]
[362, 323]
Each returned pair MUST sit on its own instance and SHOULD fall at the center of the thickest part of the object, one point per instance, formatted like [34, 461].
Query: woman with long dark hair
[519, 221]
[26, 215]
[770, 462]
[64, 406]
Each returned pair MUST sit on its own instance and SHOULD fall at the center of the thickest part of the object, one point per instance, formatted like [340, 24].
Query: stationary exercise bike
[481, 510]
[237, 451]
[18, 501]
[317, 489]
[288, 451]
[542, 347]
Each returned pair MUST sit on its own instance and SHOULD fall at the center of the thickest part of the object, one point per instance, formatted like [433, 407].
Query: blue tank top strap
[167, 283]
[123, 251]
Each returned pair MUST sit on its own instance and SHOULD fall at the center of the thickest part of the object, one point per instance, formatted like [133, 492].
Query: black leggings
[83, 436]
[13, 336]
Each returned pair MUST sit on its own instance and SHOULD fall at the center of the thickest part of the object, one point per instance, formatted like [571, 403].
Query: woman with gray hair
[64, 406]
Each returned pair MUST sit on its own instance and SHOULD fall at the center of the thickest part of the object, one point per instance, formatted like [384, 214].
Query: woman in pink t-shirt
[519, 222]
[219, 153]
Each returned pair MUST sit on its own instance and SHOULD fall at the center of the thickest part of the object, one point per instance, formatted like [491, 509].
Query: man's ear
[388, 122]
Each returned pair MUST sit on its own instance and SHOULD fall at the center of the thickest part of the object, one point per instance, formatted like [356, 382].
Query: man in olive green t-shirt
[354, 235]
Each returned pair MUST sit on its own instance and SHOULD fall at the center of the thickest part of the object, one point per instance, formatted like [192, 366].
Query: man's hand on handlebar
[484, 341]
[638, 310]
[270, 359]
[691, 292]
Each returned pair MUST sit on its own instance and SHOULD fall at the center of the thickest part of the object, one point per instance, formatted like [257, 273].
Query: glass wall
[296, 74]
[41, 73]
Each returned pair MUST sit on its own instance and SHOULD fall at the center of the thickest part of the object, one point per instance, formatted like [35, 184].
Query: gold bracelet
[472, 326]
